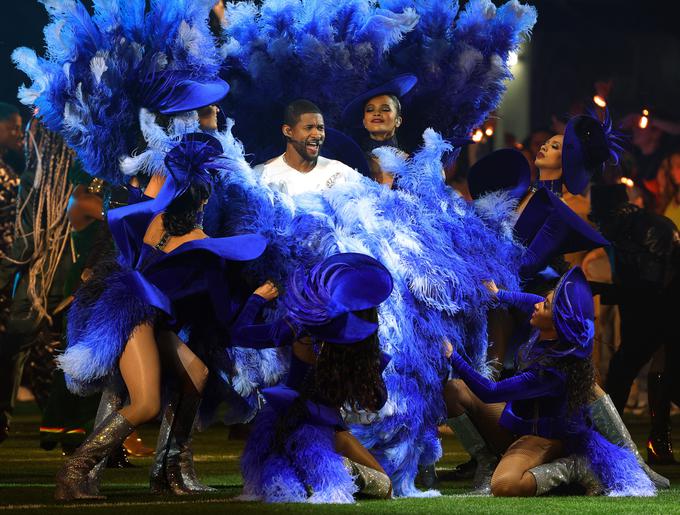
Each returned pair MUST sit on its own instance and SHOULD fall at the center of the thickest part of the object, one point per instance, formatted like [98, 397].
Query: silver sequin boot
[72, 478]
[475, 445]
[371, 482]
[572, 469]
[112, 399]
[609, 424]
[172, 470]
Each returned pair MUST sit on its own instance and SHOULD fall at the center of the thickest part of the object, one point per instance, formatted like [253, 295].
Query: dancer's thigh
[141, 371]
[484, 416]
[348, 446]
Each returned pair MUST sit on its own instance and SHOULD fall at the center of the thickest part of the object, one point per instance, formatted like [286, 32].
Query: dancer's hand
[267, 291]
[491, 286]
[448, 348]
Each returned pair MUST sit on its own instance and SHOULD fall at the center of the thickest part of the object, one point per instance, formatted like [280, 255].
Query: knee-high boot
[572, 469]
[609, 424]
[111, 401]
[371, 482]
[72, 478]
[659, 446]
[173, 466]
[474, 444]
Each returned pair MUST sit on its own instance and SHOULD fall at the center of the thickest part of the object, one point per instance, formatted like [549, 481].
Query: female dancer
[171, 276]
[335, 364]
[379, 110]
[537, 419]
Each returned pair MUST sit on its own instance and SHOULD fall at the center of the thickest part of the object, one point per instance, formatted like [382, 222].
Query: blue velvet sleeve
[526, 385]
[520, 300]
[544, 246]
[244, 333]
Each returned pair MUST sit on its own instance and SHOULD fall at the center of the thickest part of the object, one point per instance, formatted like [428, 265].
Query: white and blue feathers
[330, 52]
[436, 248]
[85, 86]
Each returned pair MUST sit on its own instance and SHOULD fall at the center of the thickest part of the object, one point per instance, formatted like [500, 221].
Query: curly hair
[580, 375]
[343, 375]
[182, 215]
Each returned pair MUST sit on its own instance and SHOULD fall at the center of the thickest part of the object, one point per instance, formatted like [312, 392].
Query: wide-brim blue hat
[353, 114]
[573, 314]
[325, 304]
[337, 145]
[503, 170]
[174, 91]
[585, 149]
[573, 234]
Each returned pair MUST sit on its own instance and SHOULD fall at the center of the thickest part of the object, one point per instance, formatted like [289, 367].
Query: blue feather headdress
[332, 52]
[87, 87]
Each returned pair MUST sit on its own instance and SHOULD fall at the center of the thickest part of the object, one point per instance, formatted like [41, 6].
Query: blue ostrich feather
[460, 59]
[86, 87]
[616, 467]
[425, 234]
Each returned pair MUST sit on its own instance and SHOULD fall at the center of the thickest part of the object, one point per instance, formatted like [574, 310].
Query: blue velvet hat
[503, 170]
[175, 91]
[573, 314]
[353, 113]
[324, 304]
[587, 146]
[549, 228]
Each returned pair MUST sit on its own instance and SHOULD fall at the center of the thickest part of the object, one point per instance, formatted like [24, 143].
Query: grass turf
[27, 483]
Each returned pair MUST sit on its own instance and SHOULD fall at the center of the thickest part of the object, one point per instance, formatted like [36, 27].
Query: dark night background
[635, 43]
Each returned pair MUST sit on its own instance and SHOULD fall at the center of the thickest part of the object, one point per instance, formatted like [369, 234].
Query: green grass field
[27, 472]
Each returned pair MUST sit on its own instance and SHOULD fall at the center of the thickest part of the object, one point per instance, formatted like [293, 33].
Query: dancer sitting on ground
[535, 419]
[336, 363]
[171, 276]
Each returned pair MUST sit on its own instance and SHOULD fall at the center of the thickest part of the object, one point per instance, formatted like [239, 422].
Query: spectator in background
[11, 143]
[668, 179]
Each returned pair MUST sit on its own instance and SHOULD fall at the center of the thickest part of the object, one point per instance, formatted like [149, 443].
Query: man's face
[11, 134]
[306, 136]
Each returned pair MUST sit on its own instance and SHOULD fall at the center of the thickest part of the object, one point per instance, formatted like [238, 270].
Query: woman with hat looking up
[301, 450]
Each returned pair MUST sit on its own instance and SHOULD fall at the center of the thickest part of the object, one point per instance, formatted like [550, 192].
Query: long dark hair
[579, 373]
[343, 375]
[184, 213]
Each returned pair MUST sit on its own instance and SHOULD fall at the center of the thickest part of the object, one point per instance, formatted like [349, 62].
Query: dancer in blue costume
[300, 449]
[171, 275]
[539, 419]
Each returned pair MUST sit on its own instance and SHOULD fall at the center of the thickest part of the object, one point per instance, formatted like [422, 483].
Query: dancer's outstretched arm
[526, 385]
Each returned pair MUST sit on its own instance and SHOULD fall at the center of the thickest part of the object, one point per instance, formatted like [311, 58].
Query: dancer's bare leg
[141, 371]
[512, 477]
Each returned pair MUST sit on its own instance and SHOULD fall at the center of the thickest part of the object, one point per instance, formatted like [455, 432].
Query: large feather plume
[85, 85]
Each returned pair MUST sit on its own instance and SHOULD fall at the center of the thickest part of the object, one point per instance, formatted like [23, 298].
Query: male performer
[300, 169]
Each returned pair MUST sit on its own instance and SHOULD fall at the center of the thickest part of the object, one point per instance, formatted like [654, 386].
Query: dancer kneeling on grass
[300, 449]
[538, 420]
[169, 276]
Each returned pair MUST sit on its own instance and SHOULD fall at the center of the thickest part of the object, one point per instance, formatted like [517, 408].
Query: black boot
[659, 446]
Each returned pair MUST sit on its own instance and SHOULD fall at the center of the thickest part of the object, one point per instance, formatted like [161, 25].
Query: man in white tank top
[301, 168]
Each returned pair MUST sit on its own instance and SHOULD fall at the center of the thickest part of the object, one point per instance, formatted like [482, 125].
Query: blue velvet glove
[525, 385]
[518, 299]
[244, 333]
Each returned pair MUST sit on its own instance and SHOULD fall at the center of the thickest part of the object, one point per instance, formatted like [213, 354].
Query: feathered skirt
[100, 321]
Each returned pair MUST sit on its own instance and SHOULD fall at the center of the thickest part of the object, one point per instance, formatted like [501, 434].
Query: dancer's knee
[455, 393]
[143, 410]
[510, 485]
